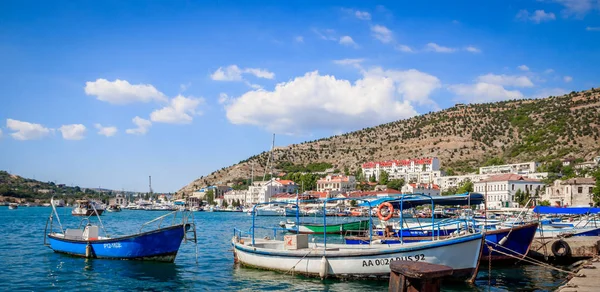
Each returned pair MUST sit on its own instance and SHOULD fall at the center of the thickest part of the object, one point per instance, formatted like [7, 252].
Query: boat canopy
[566, 210]
[413, 200]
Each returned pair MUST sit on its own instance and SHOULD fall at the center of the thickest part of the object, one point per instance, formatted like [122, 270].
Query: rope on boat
[294, 267]
[526, 258]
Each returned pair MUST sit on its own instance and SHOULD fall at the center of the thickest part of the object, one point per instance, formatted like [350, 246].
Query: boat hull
[88, 212]
[329, 229]
[342, 261]
[157, 245]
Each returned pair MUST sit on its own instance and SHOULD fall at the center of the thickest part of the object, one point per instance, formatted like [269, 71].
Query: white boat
[13, 206]
[359, 261]
[270, 210]
[86, 208]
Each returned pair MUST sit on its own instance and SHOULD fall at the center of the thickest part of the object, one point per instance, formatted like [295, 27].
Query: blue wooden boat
[160, 244]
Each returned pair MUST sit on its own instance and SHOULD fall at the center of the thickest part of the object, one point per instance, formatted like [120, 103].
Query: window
[580, 190]
[513, 187]
[591, 190]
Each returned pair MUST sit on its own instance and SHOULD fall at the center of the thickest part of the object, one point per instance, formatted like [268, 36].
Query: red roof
[425, 186]
[373, 164]
[334, 178]
[286, 182]
[283, 196]
[509, 177]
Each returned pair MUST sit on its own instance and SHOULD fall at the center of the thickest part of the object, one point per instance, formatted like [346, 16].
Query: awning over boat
[411, 201]
[566, 210]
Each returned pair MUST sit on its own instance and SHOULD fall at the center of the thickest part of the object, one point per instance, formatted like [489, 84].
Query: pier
[568, 248]
[587, 279]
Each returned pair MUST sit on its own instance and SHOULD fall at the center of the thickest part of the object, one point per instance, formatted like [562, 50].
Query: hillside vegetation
[464, 137]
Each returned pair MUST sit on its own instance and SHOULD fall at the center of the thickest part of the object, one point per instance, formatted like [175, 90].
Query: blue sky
[107, 93]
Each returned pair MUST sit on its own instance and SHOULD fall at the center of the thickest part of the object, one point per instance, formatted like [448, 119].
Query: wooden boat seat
[73, 234]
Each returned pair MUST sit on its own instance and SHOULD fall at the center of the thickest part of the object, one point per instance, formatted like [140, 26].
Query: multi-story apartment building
[261, 191]
[340, 183]
[420, 170]
[236, 196]
[518, 168]
[501, 189]
[427, 189]
[571, 192]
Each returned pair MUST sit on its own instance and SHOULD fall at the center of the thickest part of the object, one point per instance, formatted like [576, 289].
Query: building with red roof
[339, 183]
[500, 190]
[423, 170]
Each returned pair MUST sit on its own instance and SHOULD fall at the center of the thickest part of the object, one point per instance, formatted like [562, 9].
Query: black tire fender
[559, 245]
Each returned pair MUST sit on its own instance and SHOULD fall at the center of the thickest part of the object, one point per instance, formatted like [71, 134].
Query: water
[28, 265]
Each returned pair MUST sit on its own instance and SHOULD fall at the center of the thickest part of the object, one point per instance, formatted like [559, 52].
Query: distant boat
[113, 208]
[13, 206]
[161, 244]
[306, 228]
[86, 208]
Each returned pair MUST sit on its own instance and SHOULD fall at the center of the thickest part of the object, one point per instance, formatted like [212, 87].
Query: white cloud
[180, 110]
[362, 15]
[299, 39]
[523, 68]
[548, 71]
[348, 41]
[472, 49]
[223, 98]
[382, 33]
[506, 80]
[568, 79]
[546, 92]
[483, 92]
[537, 16]
[353, 62]
[591, 28]
[122, 92]
[433, 47]
[143, 126]
[106, 131]
[325, 34]
[73, 131]
[26, 131]
[330, 103]
[234, 73]
[578, 8]
[404, 48]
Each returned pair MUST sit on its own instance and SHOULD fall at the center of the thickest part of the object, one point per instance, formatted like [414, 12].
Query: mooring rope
[294, 266]
[531, 261]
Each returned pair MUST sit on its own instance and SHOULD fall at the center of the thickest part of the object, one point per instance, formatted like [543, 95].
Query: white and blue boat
[554, 228]
[296, 255]
[159, 244]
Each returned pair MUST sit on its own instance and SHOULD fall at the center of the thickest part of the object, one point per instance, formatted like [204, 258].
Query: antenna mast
[150, 184]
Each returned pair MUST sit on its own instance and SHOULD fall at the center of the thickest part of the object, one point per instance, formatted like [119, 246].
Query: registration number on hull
[112, 245]
[387, 261]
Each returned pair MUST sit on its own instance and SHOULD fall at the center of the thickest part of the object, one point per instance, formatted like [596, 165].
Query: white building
[571, 192]
[340, 183]
[218, 191]
[427, 189]
[236, 196]
[119, 199]
[261, 191]
[455, 181]
[501, 189]
[518, 168]
[423, 170]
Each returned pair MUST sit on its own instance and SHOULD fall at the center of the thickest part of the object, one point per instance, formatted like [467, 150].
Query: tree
[372, 178]
[465, 187]
[225, 205]
[210, 197]
[346, 171]
[596, 190]
[544, 203]
[450, 191]
[384, 177]
[395, 184]
[353, 203]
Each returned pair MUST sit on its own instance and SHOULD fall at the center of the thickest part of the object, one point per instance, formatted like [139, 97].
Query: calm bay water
[28, 265]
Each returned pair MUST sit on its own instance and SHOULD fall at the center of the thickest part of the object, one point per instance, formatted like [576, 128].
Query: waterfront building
[421, 170]
[571, 192]
[518, 168]
[119, 199]
[218, 191]
[500, 189]
[261, 191]
[236, 196]
[454, 181]
[340, 183]
[416, 188]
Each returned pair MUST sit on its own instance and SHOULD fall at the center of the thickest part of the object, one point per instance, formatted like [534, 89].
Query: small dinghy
[160, 244]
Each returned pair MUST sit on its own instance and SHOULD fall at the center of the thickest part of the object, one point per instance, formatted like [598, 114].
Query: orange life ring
[389, 215]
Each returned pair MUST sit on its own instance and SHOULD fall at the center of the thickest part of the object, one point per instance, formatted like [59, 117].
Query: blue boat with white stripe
[159, 244]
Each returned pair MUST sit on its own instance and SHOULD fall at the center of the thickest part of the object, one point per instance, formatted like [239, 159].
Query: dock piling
[408, 276]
